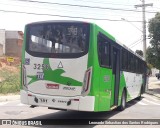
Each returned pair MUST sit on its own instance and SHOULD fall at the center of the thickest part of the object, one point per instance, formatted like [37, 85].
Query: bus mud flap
[69, 103]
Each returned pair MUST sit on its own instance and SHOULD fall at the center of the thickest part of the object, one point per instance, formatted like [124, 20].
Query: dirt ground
[12, 67]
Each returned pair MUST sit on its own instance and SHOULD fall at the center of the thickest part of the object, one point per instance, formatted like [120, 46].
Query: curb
[9, 98]
[152, 93]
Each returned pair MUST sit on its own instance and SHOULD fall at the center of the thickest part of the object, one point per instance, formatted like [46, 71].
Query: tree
[151, 58]
[139, 52]
[153, 52]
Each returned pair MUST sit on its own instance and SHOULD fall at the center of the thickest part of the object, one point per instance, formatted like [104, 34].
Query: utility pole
[143, 5]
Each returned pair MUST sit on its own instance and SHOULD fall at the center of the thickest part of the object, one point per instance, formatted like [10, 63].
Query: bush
[10, 82]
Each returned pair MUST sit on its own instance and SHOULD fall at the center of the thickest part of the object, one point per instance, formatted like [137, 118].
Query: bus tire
[123, 101]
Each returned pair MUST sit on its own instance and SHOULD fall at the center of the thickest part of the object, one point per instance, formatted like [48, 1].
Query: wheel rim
[123, 101]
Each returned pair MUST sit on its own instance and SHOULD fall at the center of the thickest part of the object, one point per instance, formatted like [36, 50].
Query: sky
[108, 14]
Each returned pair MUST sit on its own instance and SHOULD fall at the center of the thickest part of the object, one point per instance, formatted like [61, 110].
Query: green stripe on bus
[55, 76]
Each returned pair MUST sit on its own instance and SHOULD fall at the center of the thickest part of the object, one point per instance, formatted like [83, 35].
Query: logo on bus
[62, 101]
[60, 65]
[69, 88]
[27, 61]
[52, 86]
[69, 83]
[53, 100]
[106, 78]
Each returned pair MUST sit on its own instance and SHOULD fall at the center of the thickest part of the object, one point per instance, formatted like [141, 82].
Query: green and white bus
[74, 65]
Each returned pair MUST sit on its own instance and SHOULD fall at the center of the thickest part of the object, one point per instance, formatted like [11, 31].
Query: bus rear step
[57, 109]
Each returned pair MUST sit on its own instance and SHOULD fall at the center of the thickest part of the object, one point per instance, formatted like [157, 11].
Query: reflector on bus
[87, 82]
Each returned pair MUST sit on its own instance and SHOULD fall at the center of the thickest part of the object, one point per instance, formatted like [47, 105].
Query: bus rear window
[57, 39]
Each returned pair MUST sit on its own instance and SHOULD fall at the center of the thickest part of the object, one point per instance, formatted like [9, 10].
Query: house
[11, 43]
[2, 42]
[1, 49]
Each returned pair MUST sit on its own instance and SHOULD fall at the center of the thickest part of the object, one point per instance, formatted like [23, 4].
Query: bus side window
[124, 60]
[103, 51]
[136, 65]
[132, 64]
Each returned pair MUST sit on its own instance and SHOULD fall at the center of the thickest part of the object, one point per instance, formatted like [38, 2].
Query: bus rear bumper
[78, 103]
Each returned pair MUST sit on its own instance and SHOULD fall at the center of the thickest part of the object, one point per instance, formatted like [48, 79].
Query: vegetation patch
[9, 77]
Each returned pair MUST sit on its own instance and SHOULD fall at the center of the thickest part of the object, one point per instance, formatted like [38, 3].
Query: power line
[63, 10]
[131, 24]
[135, 42]
[90, 18]
[102, 2]
[140, 41]
[84, 6]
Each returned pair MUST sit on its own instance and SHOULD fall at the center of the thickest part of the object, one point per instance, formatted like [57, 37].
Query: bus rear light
[76, 99]
[29, 94]
[87, 82]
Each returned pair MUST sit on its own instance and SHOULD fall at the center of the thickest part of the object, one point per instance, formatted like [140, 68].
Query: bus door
[104, 52]
[115, 55]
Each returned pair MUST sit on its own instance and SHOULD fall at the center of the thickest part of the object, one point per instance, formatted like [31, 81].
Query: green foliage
[149, 66]
[139, 52]
[151, 58]
[153, 52]
[10, 82]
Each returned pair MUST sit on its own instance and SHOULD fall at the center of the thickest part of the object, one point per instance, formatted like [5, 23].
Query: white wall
[12, 35]
[2, 39]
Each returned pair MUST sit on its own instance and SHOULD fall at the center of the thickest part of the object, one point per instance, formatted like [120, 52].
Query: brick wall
[13, 47]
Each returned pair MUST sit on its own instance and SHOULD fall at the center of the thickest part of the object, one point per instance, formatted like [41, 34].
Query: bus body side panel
[133, 84]
[122, 86]
[105, 79]
[101, 77]
[105, 89]
[92, 62]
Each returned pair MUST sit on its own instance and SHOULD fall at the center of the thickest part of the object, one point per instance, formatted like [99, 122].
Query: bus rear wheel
[123, 101]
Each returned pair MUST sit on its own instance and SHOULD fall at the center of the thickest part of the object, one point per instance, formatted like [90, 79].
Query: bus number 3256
[41, 66]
